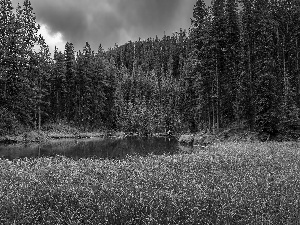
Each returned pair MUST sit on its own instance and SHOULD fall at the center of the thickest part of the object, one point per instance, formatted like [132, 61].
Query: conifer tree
[58, 87]
[199, 63]
[18, 37]
[41, 64]
[232, 62]
[70, 80]
[7, 20]
[246, 82]
[218, 92]
[98, 86]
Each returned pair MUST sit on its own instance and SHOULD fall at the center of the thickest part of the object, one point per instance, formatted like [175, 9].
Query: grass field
[229, 183]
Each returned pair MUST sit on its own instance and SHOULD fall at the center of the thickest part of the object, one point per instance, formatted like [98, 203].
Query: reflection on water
[93, 148]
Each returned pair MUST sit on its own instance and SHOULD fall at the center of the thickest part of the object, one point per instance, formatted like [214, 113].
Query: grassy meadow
[228, 183]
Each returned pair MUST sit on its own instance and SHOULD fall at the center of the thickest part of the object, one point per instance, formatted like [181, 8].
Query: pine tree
[286, 28]
[8, 115]
[192, 71]
[58, 87]
[7, 19]
[40, 64]
[18, 37]
[265, 75]
[98, 86]
[84, 85]
[246, 104]
[200, 61]
[109, 115]
[70, 80]
[232, 63]
[218, 92]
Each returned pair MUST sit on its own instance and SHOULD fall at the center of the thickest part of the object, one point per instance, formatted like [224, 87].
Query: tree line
[238, 65]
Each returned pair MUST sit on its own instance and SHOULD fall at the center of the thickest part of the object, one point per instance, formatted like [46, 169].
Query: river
[103, 148]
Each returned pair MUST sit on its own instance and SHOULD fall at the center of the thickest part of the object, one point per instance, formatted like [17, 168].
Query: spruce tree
[232, 63]
[58, 87]
[70, 75]
[18, 38]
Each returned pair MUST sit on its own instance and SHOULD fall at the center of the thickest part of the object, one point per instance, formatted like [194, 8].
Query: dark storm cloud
[112, 21]
[149, 14]
[71, 22]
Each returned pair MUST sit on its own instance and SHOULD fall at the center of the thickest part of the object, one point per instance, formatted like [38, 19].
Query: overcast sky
[108, 21]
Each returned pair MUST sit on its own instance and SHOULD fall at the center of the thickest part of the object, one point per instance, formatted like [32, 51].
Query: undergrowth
[246, 183]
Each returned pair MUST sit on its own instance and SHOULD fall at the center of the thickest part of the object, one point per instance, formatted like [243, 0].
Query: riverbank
[42, 136]
[238, 135]
[61, 131]
[228, 135]
[236, 183]
[56, 131]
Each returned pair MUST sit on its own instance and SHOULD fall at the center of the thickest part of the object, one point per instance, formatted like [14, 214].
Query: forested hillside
[237, 65]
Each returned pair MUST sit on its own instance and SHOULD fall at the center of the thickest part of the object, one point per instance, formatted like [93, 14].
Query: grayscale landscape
[149, 112]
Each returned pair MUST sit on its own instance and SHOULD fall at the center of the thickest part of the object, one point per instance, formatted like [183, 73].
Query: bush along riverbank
[246, 183]
[65, 131]
[53, 131]
[240, 134]
[41, 136]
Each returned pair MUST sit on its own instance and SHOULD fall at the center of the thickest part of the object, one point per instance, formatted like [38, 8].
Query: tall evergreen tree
[232, 63]
[7, 19]
[70, 75]
[41, 64]
[192, 74]
[18, 38]
[58, 87]
[245, 103]
[218, 91]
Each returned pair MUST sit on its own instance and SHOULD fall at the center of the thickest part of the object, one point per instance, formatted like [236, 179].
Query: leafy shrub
[61, 127]
[8, 122]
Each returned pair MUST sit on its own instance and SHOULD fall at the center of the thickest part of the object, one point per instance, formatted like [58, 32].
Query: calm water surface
[93, 148]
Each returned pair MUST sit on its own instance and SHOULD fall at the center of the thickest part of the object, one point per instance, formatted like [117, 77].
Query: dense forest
[238, 65]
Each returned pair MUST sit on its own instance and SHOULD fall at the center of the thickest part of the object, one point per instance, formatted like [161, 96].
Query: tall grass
[246, 183]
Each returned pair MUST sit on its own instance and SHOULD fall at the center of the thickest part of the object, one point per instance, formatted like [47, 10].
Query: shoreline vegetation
[232, 183]
[50, 132]
[65, 131]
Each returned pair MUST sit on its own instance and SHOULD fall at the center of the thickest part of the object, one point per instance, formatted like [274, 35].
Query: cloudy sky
[108, 21]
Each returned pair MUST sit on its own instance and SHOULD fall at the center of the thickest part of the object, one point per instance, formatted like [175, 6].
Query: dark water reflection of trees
[93, 148]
